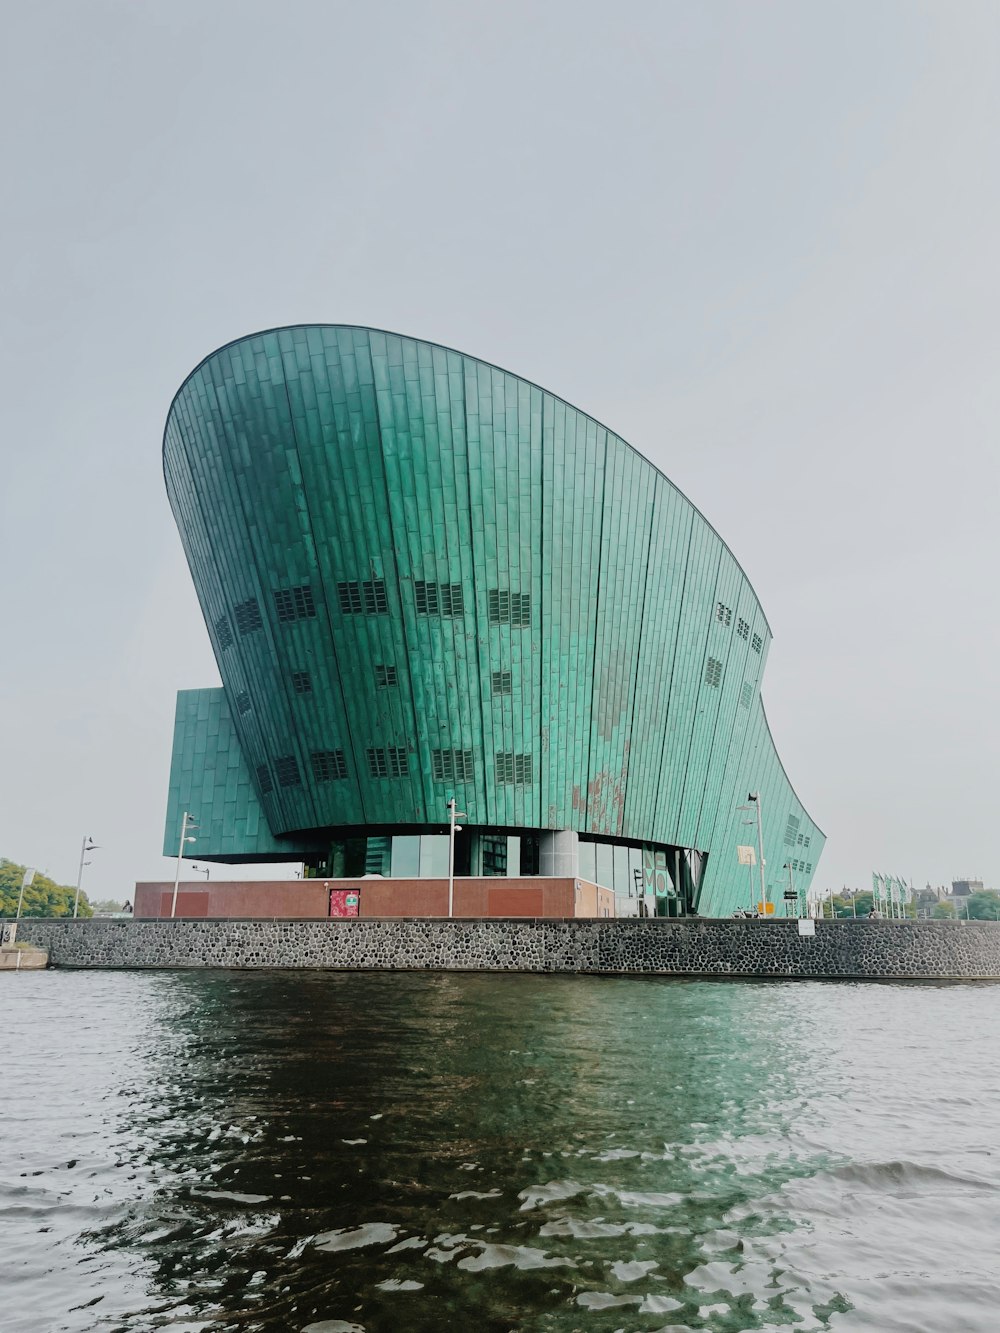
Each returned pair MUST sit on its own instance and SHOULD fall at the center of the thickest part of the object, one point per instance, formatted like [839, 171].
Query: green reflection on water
[525, 1152]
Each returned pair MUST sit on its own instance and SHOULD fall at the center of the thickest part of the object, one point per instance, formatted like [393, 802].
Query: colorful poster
[345, 902]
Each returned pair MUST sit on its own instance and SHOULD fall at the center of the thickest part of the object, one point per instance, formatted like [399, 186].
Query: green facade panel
[209, 778]
[424, 575]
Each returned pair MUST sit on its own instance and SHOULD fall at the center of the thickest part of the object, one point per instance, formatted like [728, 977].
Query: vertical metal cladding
[404, 555]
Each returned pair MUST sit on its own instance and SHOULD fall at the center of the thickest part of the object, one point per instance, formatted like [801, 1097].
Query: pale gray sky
[756, 239]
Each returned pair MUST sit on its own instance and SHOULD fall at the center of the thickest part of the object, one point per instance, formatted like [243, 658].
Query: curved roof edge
[391, 333]
[784, 770]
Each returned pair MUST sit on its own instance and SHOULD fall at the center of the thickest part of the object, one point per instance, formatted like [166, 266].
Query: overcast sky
[758, 240]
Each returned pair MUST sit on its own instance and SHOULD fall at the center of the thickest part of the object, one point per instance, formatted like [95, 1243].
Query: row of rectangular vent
[500, 681]
[713, 677]
[368, 597]
[724, 615]
[805, 866]
[393, 761]
[386, 677]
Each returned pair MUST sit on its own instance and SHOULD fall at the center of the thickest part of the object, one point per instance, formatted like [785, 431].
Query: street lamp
[749, 823]
[88, 845]
[188, 822]
[754, 798]
[755, 805]
[202, 870]
[454, 814]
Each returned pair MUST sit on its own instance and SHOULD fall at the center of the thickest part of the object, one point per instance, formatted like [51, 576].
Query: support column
[559, 854]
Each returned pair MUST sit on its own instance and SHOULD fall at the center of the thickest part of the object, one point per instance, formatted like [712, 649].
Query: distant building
[962, 888]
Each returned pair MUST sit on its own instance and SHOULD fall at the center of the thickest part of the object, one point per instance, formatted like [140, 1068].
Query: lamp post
[454, 814]
[202, 870]
[754, 798]
[187, 822]
[88, 845]
[748, 823]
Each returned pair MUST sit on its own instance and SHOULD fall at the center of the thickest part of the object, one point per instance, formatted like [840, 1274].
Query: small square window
[713, 672]
[509, 608]
[264, 782]
[514, 768]
[243, 704]
[385, 677]
[376, 602]
[247, 616]
[723, 614]
[452, 600]
[377, 764]
[742, 628]
[756, 643]
[451, 765]
[349, 597]
[501, 682]
[302, 682]
[426, 596]
[294, 604]
[287, 769]
[223, 634]
[328, 765]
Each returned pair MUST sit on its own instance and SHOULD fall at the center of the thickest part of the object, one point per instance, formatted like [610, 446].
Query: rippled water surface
[333, 1152]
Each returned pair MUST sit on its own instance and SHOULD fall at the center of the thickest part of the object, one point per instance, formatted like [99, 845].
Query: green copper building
[424, 576]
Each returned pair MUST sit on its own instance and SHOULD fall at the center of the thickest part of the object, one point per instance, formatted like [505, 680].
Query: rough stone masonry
[903, 950]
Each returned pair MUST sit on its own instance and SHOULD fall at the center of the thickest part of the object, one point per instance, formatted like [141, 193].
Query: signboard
[807, 926]
[746, 856]
[765, 909]
[791, 895]
[345, 902]
[655, 875]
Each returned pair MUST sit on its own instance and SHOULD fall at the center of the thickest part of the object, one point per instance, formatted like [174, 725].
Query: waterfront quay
[868, 949]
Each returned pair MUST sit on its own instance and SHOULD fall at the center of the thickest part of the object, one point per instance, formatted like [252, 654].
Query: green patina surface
[424, 575]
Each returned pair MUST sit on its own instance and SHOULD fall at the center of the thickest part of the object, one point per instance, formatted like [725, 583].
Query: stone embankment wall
[861, 949]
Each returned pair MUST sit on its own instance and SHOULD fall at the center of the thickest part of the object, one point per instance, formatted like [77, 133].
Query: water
[278, 1151]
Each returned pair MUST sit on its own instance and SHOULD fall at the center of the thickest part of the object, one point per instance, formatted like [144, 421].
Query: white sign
[746, 856]
[807, 926]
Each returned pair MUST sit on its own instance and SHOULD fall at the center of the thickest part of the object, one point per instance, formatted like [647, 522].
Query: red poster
[344, 902]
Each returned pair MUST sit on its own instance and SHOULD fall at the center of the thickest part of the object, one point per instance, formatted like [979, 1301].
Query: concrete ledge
[859, 950]
[23, 960]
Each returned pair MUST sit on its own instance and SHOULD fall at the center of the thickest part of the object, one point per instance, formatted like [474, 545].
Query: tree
[943, 912]
[105, 906]
[43, 897]
[984, 906]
